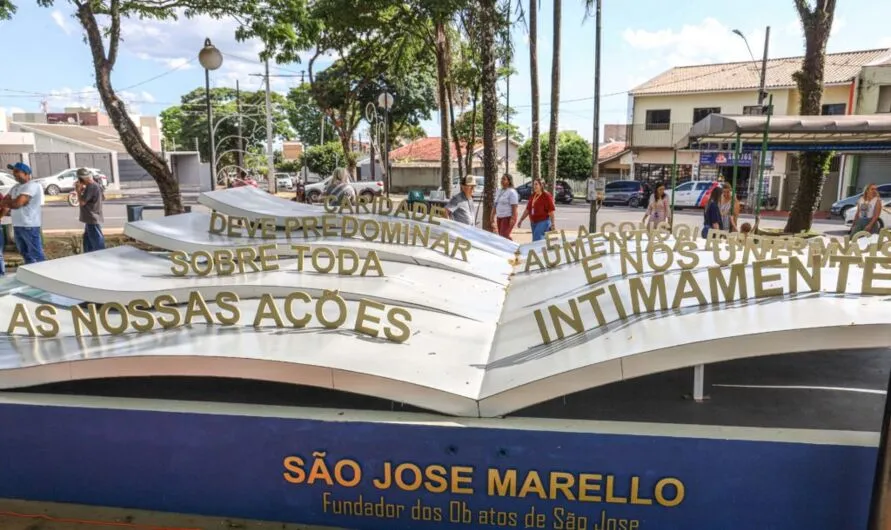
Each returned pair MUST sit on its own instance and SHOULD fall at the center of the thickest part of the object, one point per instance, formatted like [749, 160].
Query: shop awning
[855, 133]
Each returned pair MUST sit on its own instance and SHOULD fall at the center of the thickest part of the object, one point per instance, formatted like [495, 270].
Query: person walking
[540, 210]
[729, 210]
[658, 210]
[25, 201]
[869, 208]
[712, 216]
[90, 198]
[340, 187]
[507, 202]
[460, 207]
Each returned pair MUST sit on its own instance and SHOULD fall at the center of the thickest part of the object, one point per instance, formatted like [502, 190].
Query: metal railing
[657, 135]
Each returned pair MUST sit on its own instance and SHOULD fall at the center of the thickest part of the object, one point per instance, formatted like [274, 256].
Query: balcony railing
[658, 135]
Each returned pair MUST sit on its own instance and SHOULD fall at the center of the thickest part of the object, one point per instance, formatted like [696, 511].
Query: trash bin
[415, 196]
[134, 212]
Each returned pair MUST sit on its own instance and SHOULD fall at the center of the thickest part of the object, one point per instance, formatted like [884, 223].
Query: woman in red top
[540, 211]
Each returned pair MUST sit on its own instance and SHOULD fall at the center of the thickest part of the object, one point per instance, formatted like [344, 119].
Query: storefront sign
[724, 159]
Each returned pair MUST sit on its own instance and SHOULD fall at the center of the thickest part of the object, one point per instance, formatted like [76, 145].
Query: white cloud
[60, 98]
[885, 43]
[708, 41]
[176, 43]
[61, 21]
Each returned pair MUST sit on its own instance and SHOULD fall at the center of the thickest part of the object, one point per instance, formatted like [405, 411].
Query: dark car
[628, 192]
[839, 208]
[562, 192]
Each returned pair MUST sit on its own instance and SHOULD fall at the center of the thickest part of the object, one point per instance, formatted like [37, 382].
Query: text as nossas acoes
[297, 309]
[264, 258]
[459, 480]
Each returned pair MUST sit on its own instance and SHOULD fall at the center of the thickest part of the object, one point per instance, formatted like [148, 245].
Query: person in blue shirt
[25, 201]
[712, 217]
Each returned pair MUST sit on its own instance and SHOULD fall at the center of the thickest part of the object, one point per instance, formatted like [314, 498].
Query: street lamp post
[762, 93]
[210, 59]
[385, 101]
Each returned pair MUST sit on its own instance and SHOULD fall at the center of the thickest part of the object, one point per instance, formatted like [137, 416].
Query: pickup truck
[366, 188]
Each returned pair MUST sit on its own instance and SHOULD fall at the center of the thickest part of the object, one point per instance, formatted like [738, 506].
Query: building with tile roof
[664, 108]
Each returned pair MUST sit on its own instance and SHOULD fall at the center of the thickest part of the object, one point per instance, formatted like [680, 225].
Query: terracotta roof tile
[840, 68]
[611, 150]
[423, 150]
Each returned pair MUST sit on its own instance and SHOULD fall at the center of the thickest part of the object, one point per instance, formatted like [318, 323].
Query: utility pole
[240, 153]
[322, 130]
[762, 93]
[507, 99]
[270, 163]
[595, 155]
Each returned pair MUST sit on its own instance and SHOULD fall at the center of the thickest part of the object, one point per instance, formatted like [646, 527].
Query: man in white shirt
[25, 201]
[506, 206]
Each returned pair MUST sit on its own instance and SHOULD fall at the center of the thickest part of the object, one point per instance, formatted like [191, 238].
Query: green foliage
[573, 157]
[306, 118]
[289, 166]
[181, 125]
[324, 159]
[7, 9]
[464, 121]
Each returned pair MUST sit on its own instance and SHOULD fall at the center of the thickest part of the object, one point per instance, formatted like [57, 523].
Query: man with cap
[25, 201]
[461, 208]
[89, 196]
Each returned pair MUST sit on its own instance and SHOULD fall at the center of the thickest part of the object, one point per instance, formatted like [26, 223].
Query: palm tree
[555, 97]
[533, 78]
[813, 166]
[490, 24]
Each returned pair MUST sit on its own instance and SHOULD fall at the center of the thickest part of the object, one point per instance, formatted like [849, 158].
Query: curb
[63, 197]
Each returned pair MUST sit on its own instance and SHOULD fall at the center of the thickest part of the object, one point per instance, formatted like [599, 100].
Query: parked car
[884, 217]
[64, 181]
[840, 208]
[562, 192]
[365, 188]
[246, 181]
[6, 183]
[284, 182]
[628, 192]
[477, 190]
[692, 194]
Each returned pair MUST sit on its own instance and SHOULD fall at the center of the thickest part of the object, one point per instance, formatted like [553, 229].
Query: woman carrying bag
[658, 211]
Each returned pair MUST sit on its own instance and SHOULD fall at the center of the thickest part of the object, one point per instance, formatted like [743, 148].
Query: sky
[46, 59]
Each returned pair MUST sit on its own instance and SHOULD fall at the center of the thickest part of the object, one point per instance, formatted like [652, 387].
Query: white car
[884, 217]
[693, 194]
[283, 181]
[364, 188]
[477, 190]
[64, 181]
[6, 183]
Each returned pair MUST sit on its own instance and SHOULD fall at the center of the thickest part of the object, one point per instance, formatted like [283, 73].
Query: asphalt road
[60, 216]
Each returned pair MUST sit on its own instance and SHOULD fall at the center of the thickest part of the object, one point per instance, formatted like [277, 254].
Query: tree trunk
[131, 135]
[533, 77]
[455, 138]
[490, 108]
[812, 167]
[442, 75]
[349, 162]
[553, 138]
[471, 141]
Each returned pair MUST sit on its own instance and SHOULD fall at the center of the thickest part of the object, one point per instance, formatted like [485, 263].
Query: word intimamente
[345, 226]
[265, 258]
[296, 310]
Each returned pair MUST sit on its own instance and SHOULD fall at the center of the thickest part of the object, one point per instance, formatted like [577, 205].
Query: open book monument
[401, 304]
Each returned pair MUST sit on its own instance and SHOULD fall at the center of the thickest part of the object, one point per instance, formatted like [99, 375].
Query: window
[834, 109]
[685, 187]
[756, 110]
[655, 173]
[703, 113]
[703, 186]
[658, 120]
[884, 99]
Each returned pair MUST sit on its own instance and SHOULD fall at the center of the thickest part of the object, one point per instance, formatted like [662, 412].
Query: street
[60, 216]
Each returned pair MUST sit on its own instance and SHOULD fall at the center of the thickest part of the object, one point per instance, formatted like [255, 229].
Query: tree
[490, 23]
[185, 125]
[306, 119]
[535, 170]
[324, 159]
[465, 121]
[816, 21]
[101, 22]
[553, 151]
[574, 156]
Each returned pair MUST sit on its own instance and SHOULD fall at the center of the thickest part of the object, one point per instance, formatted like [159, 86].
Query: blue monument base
[382, 471]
